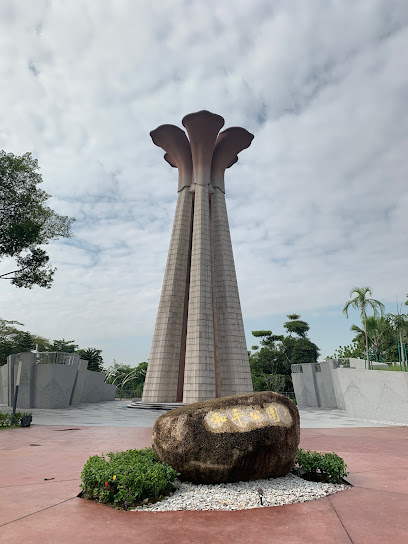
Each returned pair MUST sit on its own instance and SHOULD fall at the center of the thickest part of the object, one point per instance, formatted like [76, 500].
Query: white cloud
[317, 204]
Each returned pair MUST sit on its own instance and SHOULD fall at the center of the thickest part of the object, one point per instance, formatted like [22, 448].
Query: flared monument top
[203, 158]
[178, 151]
[229, 143]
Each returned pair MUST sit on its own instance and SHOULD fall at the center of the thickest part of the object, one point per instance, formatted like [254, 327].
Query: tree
[26, 223]
[41, 344]
[400, 322]
[271, 361]
[8, 333]
[94, 358]
[13, 340]
[296, 326]
[353, 350]
[378, 328]
[301, 350]
[362, 302]
[26, 343]
[127, 377]
[64, 346]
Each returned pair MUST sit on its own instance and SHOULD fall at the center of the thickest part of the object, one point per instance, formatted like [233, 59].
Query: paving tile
[393, 480]
[373, 516]
[23, 468]
[19, 501]
[369, 512]
[82, 522]
[367, 441]
[62, 455]
[16, 438]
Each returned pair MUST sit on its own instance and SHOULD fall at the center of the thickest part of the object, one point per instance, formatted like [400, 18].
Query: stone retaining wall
[52, 385]
[364, 394]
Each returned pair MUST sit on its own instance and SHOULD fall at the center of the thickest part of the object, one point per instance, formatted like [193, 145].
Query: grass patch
[6, 419]
[10, 427]
[391, 369]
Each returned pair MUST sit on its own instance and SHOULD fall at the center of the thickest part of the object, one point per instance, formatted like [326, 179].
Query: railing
[56, 357]
[344, 362]
[128, 394]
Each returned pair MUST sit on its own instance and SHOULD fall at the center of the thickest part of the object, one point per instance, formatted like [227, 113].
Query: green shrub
[127, 477]
[6, 419]
[313, 464]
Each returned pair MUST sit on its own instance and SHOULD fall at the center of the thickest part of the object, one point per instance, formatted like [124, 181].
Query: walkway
[40, 479]
[116, 414]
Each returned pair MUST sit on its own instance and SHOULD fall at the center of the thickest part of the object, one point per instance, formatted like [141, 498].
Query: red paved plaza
[35, 510]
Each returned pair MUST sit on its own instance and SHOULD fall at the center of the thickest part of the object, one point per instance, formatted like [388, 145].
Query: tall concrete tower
[199, 350]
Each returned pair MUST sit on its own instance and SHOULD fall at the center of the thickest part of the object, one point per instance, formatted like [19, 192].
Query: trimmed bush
[313, 465]
[6, 419]
[127, 478]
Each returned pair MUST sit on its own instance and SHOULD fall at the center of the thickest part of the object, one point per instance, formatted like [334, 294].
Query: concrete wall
[370, 394]
[364, 394]
[52, 385]
[337, 386]
[77, 394]
[3, 384]
[361, 364]
[325, 386]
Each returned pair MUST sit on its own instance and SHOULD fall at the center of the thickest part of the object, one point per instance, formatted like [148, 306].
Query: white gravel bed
[243, 495]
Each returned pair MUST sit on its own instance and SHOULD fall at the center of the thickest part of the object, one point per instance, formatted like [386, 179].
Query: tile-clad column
[232, 355]
[199, 373]
[164, 361]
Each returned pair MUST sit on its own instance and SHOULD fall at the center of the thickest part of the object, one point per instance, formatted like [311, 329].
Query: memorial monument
[199, 349]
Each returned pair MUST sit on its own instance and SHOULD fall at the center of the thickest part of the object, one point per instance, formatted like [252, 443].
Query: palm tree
[94, 358]
[400, 322]
[377, 330]
[362, 302]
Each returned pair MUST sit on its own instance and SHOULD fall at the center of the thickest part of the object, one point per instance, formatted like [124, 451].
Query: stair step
[155, 405]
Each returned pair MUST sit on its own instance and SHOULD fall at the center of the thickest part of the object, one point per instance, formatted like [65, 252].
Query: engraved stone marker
[230, 439]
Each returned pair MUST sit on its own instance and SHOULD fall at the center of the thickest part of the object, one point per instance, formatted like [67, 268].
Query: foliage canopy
[271, 361]
[362, 302]
[26, 222]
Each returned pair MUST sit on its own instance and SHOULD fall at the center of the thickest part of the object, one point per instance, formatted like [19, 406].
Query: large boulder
[230, 439]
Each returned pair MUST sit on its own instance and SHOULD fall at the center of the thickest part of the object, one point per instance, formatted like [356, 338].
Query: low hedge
[6, 419]
[127, 478]
[313, 465]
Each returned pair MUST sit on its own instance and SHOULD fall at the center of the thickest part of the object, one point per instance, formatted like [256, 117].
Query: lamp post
[16, 392]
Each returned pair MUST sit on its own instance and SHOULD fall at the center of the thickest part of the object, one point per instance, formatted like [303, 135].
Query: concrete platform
[37, 509]
[117, 414]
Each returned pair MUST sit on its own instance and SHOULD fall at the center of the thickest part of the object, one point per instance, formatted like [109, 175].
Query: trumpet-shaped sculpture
[199, 350]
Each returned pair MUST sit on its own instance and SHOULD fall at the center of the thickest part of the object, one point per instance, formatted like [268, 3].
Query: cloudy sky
[318, 203]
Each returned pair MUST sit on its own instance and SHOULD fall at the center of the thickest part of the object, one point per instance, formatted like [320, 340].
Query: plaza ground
[41, 467]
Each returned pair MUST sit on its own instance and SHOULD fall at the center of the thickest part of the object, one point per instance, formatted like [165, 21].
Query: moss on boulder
[230, 439]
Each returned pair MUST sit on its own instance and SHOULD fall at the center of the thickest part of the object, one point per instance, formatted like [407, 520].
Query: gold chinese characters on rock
[247, 418]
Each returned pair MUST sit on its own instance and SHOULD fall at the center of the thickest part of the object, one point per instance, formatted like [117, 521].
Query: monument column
[201, 369]
[231, 348]
[199, 349]
[166, 361]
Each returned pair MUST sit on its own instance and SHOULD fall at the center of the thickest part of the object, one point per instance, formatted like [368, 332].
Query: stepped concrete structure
[364, 394]
[52, 380]
[199, 350]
